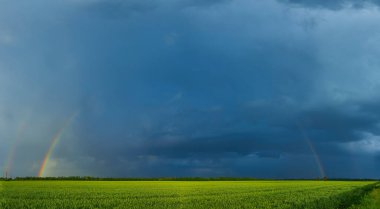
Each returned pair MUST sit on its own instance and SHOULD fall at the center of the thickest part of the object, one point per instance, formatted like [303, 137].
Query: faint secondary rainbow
[54, 141]
[9, 162]
[315, 154]
[316, 157]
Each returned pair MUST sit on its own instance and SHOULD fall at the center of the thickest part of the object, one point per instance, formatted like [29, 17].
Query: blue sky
[258, 88]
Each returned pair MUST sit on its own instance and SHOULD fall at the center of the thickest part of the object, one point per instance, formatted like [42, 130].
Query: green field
[183, 194]
[370, 201]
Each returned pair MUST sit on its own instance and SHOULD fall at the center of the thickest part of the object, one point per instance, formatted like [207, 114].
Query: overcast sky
[258, 88]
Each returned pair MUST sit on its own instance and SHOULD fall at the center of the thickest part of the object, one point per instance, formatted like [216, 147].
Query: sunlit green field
[181, 194]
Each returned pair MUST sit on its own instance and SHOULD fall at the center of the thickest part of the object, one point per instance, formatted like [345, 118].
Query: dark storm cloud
[229, 144]
[334, 124]
[324, 126]
[280, 137]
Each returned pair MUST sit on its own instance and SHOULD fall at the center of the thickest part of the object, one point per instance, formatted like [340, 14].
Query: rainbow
[315, 154]
[9, 162]
[54, 141]
[316, 157]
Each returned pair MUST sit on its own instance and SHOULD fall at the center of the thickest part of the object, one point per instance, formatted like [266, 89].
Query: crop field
[183, 194]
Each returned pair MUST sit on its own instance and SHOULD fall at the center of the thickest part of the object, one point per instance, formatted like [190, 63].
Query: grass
[181, 194]
[369, 201]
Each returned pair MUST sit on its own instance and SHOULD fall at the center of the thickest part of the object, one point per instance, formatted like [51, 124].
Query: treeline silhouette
[91, 178]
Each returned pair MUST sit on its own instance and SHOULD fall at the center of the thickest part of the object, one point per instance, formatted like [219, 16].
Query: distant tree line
[91, 178]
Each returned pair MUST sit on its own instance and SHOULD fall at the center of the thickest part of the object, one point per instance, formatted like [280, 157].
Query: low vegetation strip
[369, 201]
[343, 200]
[182, 194]
[2, 198]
